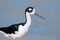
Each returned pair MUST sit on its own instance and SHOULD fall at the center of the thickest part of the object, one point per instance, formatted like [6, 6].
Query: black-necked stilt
[18, 30]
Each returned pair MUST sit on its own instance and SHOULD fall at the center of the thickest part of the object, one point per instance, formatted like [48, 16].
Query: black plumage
[11, 29]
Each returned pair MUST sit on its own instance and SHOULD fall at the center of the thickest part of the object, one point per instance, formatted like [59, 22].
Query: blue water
[12, 11]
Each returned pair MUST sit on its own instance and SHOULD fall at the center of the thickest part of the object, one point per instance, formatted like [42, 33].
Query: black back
[11, 29]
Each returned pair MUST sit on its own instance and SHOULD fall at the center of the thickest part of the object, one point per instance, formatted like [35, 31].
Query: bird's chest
[21, 30]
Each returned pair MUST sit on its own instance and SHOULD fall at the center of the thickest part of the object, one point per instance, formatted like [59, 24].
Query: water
[12, 11]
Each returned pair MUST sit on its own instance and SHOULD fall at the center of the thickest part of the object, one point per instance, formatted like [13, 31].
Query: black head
[29, 9]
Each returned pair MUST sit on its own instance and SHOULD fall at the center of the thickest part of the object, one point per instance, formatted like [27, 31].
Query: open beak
[39, 16]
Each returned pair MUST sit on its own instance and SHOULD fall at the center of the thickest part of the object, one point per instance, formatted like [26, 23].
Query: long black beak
[39, 16]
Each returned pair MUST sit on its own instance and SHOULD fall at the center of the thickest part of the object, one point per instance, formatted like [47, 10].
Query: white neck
[28, 20]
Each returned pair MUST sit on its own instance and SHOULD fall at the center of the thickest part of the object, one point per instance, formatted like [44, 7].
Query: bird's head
[32, 11]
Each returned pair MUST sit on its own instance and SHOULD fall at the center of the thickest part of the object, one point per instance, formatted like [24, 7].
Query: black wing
[11, 29]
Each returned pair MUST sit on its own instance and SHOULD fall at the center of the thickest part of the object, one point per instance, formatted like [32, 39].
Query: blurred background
[12, 12]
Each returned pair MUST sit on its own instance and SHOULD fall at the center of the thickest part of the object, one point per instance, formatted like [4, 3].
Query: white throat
[28, 22]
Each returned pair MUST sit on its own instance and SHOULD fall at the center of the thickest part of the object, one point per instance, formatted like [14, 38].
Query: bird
[19, 29]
